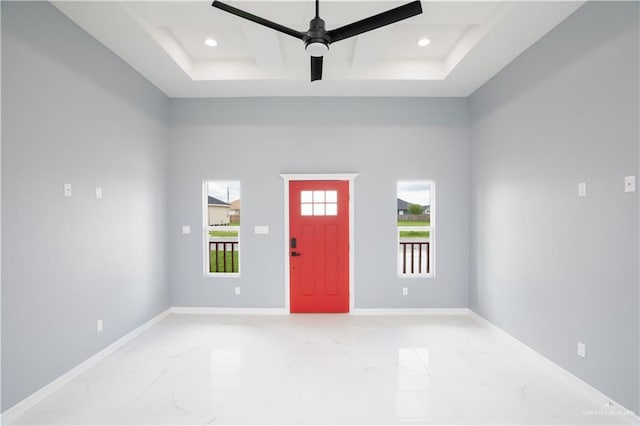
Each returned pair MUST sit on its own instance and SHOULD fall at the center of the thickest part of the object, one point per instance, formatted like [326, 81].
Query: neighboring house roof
[235, 205]
[402, 205]
[212, 201]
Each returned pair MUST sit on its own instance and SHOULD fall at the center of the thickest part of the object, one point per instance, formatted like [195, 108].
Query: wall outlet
[67, 190]
[405, 291]
[98, 192]
[99, 326]
[582, 350]
[237, 290]
[582, 189]
[186, 229]
[629, 184]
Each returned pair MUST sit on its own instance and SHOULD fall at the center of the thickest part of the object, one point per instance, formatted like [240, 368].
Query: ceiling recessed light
[424, 42]
[210, 42]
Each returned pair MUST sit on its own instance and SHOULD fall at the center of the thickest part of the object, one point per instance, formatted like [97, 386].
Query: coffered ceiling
[164, 41]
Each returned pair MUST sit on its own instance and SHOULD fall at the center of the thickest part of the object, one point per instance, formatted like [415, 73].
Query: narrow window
[222, 227]
[416, 229]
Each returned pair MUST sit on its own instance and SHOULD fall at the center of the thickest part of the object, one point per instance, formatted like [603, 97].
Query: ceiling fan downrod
[316, 42]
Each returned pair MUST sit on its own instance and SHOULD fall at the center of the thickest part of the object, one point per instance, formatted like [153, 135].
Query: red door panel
[319, 262]
[331, 250]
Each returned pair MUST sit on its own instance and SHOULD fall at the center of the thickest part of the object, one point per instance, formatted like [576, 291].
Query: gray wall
[255, 140]
[548, 267]
[73, 112]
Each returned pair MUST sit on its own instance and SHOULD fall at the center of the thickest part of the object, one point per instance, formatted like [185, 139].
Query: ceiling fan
[317, 39]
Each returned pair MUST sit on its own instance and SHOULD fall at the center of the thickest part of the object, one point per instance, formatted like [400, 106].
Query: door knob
[294, 254]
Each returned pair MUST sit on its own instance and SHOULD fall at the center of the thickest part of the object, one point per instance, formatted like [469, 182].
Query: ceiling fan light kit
[317, 48]
[317, 39]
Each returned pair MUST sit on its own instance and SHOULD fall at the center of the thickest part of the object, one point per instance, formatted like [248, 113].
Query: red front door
[319, 246]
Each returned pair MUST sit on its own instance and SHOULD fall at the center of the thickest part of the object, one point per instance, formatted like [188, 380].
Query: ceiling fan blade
[257, 19]
[316, 68]
[380, 20]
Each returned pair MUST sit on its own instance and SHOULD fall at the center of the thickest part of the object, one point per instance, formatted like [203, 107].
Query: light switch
[67, 190]
[629, 184]
[237, 291]
[582, 189]
[263, 230]
[186, 229]
[582, 350]
[98, 192]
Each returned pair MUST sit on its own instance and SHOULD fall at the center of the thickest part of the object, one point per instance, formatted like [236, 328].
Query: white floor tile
[322, 369]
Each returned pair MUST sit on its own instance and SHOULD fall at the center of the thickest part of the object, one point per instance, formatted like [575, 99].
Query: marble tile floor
[323, 369]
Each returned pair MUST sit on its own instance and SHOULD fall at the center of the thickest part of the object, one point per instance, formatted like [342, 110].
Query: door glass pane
[318, 209]
[318, 196]
[331, 196]
[306, 210]
[305, 196]
[332, 209]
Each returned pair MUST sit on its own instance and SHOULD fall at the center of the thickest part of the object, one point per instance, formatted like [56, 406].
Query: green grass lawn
[212, 261]
[223, 233]
[411, 223]
[414, 234]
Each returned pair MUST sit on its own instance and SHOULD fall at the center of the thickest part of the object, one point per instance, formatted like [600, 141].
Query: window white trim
[351, 177]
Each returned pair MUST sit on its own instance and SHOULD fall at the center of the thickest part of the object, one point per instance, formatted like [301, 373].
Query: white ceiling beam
[370, 49]
[232, 70]
[264, 46]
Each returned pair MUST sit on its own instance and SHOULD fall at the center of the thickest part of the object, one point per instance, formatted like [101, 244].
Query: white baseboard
[578, 381]
[228, 311]
[282, 311]
[21, 407]
[411, 311]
